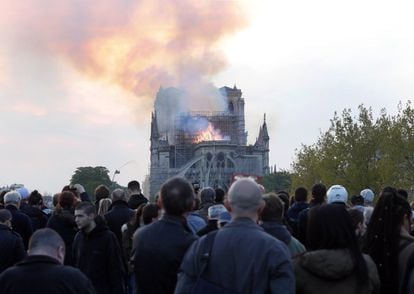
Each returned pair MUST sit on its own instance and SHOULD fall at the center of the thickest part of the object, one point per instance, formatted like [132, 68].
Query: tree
[91, 177]
[360, 152]
[277, 181]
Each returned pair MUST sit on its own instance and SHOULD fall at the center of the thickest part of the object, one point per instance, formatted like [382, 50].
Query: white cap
[368, 195]
[337, 193]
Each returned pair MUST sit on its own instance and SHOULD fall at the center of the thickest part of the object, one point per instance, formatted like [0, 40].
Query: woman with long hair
[104, 205]
[388, 241]
[334, 262]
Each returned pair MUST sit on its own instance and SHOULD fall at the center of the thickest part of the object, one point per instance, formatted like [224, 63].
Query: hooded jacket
[98, 255]
[63, 222]
[333, 271]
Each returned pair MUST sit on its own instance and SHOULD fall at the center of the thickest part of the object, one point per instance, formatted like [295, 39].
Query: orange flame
[210, 134]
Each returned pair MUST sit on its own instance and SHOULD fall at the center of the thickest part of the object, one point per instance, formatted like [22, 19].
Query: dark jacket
[136, 200]
[281, 233]
[244, 259]
[37, 217]
[63, 222]
[159, 249]
[333, 271]
[98, 255]
[44, 274]
[119, 214]
[21, 224]
[203, 211]
[210, 227]
[11, 247]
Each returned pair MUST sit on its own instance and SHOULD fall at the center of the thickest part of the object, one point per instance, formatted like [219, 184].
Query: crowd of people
[247, 240]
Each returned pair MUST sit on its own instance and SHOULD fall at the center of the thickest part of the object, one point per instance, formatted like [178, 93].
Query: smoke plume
[139, 45]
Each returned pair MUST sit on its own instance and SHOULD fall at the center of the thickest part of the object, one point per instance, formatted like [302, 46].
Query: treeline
[358, 151]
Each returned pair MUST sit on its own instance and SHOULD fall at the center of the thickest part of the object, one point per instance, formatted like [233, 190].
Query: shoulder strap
[205, 252]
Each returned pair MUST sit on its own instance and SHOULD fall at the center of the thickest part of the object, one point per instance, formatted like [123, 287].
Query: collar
[31, 259]
[243, 222]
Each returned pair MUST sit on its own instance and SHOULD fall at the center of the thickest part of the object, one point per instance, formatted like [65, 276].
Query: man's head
[47, 242]
[177, 196]
[301, 194]
[12, 198]
[134, 187]
[319, 193]
[368, 196]
[118, 195]
[273, 209]
[245, 198]
[219, 195]
[214, 211]
[66, 200]
[207, 195]
[101, 192]
[337, 194]
[85, 213]
[35, 198]
[5, 217]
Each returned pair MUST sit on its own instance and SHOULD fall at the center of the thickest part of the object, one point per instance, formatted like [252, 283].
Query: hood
[278, 231]
[65, 216]
[328, 264]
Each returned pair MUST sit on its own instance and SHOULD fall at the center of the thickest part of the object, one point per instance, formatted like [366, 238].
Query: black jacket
[159, 249]
[136, 200]
[210, 227]
[37, 217]
[119, 214]
[98, 255]
[63, 222]
[11, 248]
[43, 274]
[21, 224]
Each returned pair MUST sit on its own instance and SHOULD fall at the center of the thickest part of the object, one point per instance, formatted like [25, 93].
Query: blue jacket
[244, 259]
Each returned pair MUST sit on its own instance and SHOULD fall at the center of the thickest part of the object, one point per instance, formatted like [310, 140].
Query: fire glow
[210, 134]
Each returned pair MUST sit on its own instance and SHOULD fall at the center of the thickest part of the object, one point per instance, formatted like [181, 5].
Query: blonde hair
[104, 205]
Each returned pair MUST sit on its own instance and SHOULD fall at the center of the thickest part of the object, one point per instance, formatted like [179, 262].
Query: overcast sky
[78, 79]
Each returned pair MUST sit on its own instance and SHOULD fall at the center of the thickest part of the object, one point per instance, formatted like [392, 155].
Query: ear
[60, 254]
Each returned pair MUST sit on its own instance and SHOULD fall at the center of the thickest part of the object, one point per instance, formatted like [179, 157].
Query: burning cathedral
[208, 147]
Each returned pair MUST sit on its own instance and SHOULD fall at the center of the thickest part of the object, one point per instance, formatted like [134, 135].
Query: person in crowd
[368, 196]
[220, 194]
[284, 196]
[55, 199]
[101, 192]
[24, 196]
[337, 194]
[135, 196]
[2, 193]
[242, 258]
[207, 196]
[214, 212]
[389, 243]
[271, 218]
[43, 270]
[368, 210]
[96, 251]
[358, 223]
[104, 206]
[81, 192]
[21, 223]
[160, 247]
[318, 198]
[334, 262]
[224, 219]
[301, 197]
[357, 202]
[194, 221]
[146, 214]
[403, 193]
[63, 222]
[34, 210]
[119, 214]
[11, 244]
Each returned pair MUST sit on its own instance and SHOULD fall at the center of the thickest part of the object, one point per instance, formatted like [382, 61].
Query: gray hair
[118, 194]
[12, 197]
[207, 194]
[245, 194]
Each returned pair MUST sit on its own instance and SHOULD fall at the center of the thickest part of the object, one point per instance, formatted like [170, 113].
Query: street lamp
[118, 170]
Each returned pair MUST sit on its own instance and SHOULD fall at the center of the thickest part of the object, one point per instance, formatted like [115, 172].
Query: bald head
[47, 242]
[245, 195]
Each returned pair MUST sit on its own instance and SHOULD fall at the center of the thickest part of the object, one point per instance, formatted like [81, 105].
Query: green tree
[277, 181]
[360, 151]
[91, 177]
